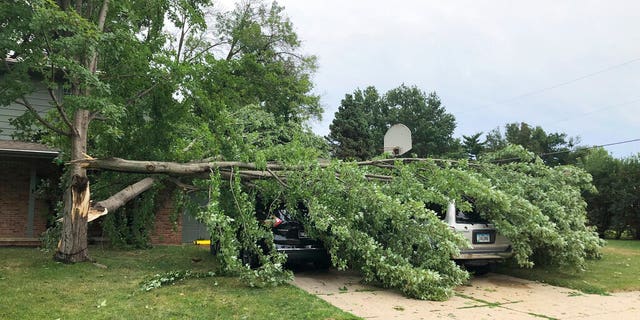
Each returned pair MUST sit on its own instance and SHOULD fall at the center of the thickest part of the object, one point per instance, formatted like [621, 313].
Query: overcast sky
[568, 66]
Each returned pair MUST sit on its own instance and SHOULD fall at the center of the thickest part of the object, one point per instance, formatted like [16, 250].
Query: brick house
[24, 214]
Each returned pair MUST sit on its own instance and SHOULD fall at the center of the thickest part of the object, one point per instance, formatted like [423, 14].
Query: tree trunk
[73, 238]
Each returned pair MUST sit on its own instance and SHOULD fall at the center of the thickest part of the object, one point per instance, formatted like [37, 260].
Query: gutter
[32, 153]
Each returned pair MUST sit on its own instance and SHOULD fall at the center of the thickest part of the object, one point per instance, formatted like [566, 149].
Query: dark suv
[289, 237]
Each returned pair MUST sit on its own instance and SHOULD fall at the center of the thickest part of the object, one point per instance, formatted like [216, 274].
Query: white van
[487, 245]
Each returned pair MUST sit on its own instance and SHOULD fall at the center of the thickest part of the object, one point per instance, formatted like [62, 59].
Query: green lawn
[33, 286]
[618, 270]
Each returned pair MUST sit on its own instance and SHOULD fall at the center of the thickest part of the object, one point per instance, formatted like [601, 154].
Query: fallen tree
[373, 215]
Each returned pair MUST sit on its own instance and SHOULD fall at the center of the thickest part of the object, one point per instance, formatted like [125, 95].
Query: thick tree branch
[228, 169]
[25, 103]
[119, 199]
[134, 166]
[194, 168]
[391, 161]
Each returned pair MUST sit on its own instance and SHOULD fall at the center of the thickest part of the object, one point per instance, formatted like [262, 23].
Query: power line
[561, 84]
[616, 143]
[596, 110]
[557, 85]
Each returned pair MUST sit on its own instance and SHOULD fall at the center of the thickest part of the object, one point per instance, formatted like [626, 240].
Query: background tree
[257, 61]
[494, 140]
[555, 148]
[615, 207]
[431, 126]
[628, 196]
[604, 170]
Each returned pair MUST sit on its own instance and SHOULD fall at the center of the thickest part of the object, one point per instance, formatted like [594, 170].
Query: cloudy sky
[568, 66]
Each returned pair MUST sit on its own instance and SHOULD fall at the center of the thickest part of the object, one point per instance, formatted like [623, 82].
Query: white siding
[40, 100]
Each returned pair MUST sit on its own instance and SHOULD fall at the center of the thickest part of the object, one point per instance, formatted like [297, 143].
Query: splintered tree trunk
[73, 239]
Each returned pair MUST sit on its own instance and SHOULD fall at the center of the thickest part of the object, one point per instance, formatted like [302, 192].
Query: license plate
[483, 237]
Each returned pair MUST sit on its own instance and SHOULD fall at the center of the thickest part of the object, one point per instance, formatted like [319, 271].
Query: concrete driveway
[492, 297]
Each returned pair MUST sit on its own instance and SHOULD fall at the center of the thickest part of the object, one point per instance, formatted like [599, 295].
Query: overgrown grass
[33, 286]
[618, 270]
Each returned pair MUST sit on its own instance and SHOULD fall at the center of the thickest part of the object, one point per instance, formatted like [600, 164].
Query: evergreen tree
[355, 133]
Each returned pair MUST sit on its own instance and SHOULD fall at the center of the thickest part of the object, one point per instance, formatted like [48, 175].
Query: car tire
[249, 258]
[215, 247]
[322, 264]
[482, 270]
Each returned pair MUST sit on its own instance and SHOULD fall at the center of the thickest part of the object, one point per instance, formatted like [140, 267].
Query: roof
[30, 149]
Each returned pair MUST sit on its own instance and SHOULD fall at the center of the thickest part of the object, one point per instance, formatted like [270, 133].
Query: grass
[33, 286]
[618, 270]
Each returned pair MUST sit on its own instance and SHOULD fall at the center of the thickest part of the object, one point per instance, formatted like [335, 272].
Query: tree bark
[73, 238]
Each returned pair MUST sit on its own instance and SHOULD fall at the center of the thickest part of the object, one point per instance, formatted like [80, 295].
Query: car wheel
[249, 258]
[322, 264]
[215, 247]
[482, 270]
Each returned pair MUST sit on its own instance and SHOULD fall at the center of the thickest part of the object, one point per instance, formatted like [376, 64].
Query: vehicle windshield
[470, 217]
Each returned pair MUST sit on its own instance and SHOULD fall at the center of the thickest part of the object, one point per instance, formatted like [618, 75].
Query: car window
[440, 210]
[470, 217]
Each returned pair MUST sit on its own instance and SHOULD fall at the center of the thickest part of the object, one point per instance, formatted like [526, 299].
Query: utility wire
[613, 144]
[595, 111]
[561, 84]
[557, 85]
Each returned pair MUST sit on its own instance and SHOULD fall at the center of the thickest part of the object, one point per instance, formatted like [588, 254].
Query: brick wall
[15, 174]
[164, 229]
